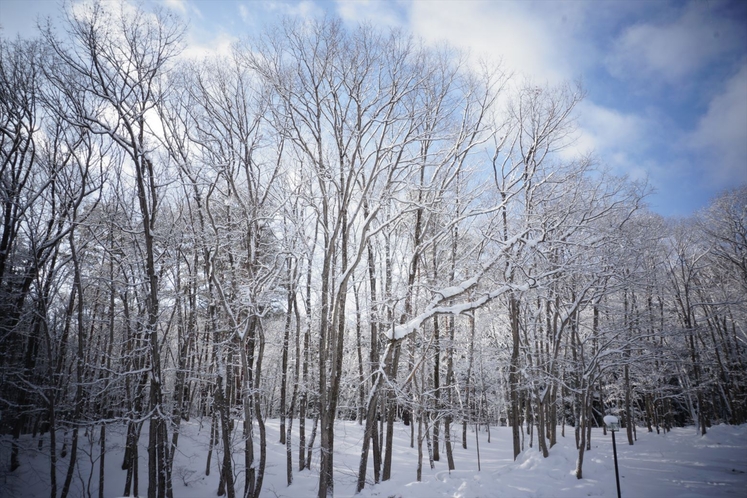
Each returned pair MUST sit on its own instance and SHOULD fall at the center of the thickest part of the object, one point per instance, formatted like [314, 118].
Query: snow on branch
[436, 308]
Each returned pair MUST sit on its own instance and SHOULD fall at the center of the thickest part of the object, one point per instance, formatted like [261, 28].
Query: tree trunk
[541, 428]
[370, 432]
[436, 386]
[390, 412]
[513, 376]
[583, 410]
[225, 425]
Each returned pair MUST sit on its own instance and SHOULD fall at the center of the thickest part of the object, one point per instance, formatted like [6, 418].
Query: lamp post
[614, 425]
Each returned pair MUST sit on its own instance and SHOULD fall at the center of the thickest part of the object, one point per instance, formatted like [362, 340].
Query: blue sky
[666, 81]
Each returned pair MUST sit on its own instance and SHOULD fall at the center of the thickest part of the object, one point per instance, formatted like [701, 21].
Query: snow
[680, 463]
[455, 290]
[434, 308]
[610, 420]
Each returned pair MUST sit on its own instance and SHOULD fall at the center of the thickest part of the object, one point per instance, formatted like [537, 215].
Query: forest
[333, 223]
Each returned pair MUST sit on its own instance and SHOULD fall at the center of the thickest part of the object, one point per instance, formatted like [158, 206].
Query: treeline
[332, 223]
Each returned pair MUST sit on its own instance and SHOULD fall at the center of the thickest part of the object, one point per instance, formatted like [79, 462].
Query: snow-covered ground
[678, 464]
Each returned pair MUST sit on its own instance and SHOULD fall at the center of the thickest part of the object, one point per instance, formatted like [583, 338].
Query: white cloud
[305, 8]
[610, 128]
[219, 45]
[671, 51]
[178, 5]
[618, 138]
[244, 13]
[379, 12]
[721, 134]
[528, 43]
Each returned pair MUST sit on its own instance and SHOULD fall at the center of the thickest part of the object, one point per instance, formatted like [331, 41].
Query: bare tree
[116, 63]
[169, 229]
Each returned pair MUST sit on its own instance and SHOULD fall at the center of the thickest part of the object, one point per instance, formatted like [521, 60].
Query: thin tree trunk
[258, 415]
[211, 443]
[303, 402]
[466, 414]
[582, 430]
[541, 428]
[628, 408]
[436, 385]
[391, 410]
[284, 361]
[102, 455]
[450, 394]
[513, 376]
[370, 433]
[80, 359]
[225, 423]
[419, 471]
